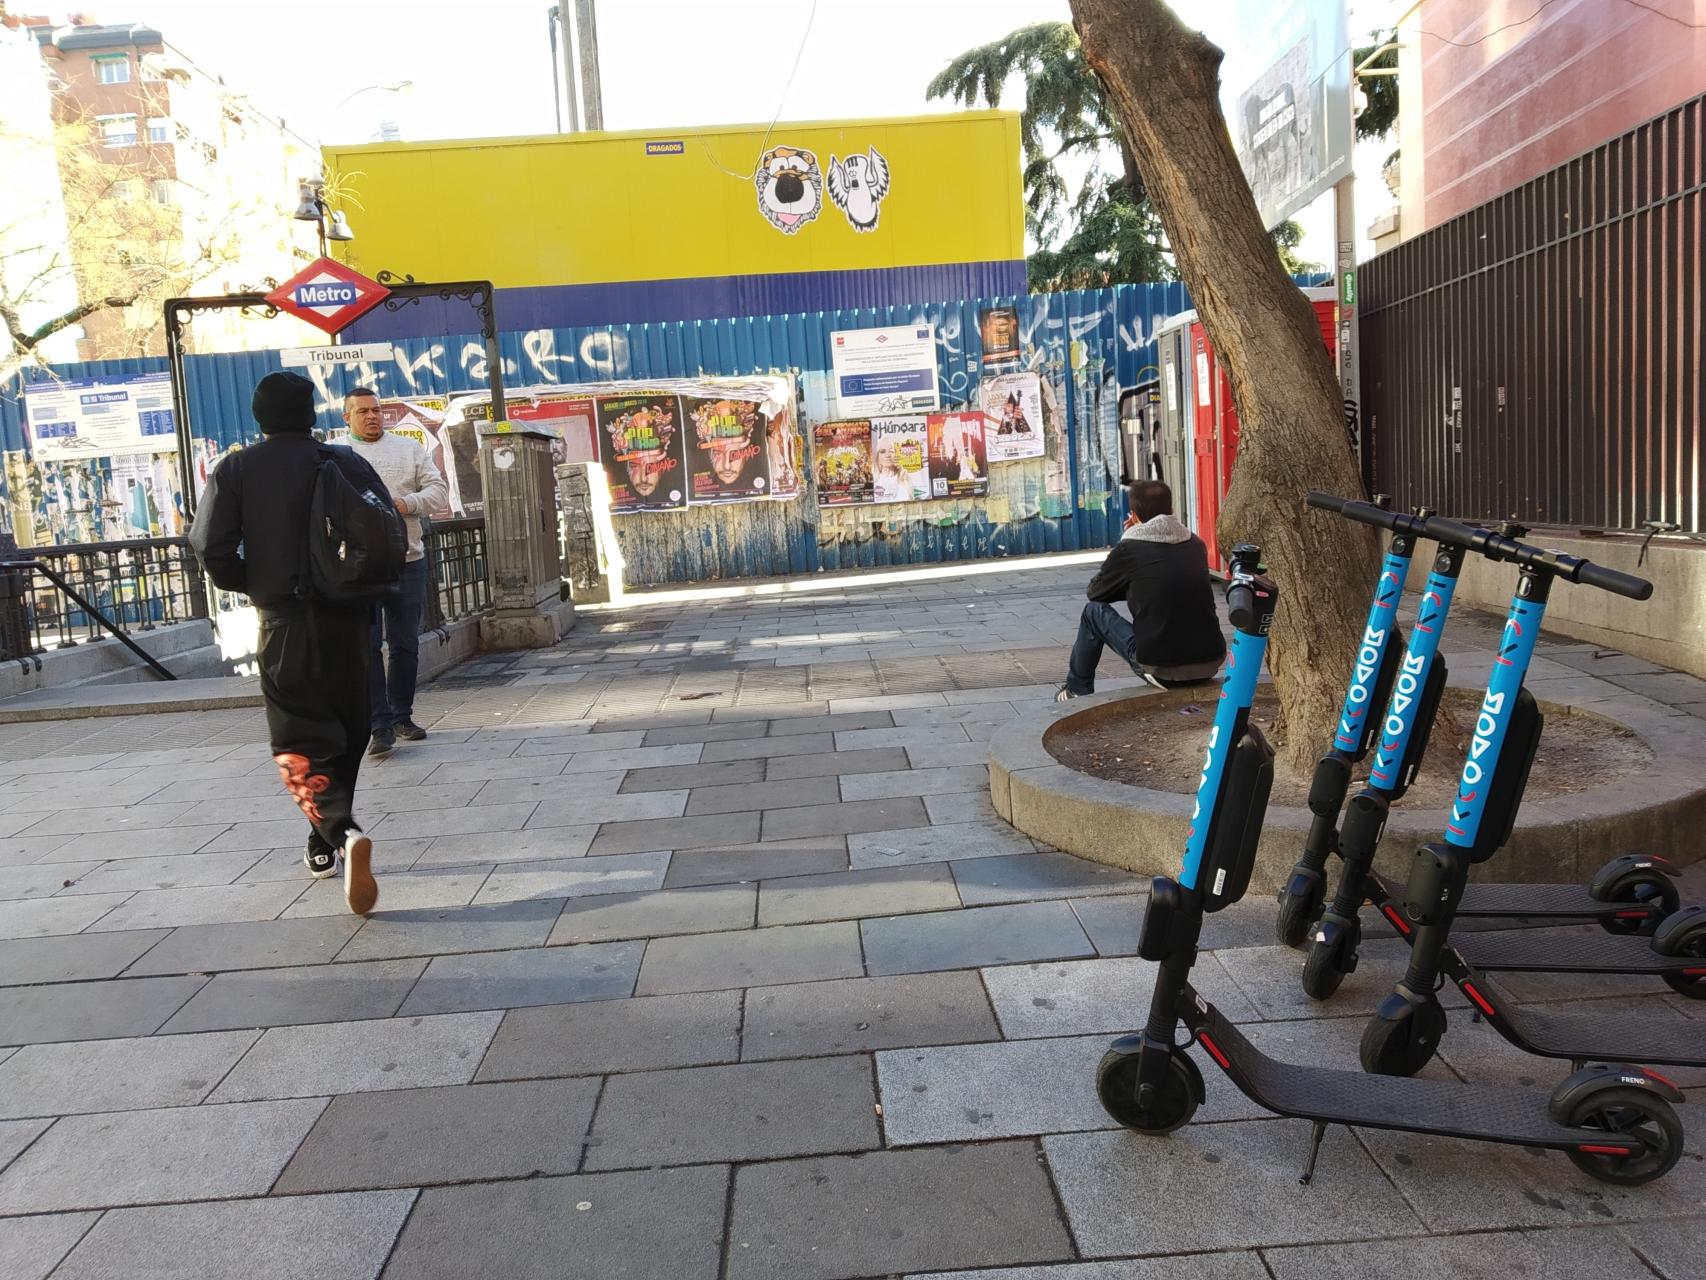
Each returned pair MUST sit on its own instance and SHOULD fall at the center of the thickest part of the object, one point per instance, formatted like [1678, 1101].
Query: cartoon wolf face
[790, 187]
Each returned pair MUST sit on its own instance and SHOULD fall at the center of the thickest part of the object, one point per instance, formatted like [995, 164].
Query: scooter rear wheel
[1174, 1101]
[1646, 888]
[1622, 1111]
[1401, 1045]
[1689, 942]
[1297, 912]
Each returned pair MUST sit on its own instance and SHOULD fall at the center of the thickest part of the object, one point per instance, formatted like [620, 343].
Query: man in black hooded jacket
[1160, 569]
[251, 531]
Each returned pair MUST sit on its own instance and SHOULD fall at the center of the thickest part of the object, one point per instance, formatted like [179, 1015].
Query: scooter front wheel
[1628, 1113]
[1401, 1037]
[1323, 970]
[1173, 1101]
[1299, 908]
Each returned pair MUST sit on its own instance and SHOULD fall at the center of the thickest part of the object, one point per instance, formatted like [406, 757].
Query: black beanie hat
[284, 402]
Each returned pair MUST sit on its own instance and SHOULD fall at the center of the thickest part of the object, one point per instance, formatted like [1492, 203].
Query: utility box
[529, 607]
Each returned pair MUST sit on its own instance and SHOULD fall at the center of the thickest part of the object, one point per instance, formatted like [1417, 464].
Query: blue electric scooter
[1616, 1123]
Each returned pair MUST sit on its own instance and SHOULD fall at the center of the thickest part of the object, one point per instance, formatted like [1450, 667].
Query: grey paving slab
[894, 1211]
[854, 1014]
[32, 1247]
[1114, 923]
[214, 904]
[675, 833]
[494, 926]
[174, 872]
[1192, 1266]
[71, 957]
[1077, 997]
[1027, 877]
[1498, 1255]
[405, 799]
[918, 735]
[1459, 1186]
[750, 957]
[586, 810]
[183, 840]
[790, 793]
[915, 782]
[590, 1223]
[558, 786]
[510, 979]
[470, 771]
[139, 1157]
[117, 1075]
[845, 895]
[713, 732]
[1674, 1248]
[401, 893]
[17, 1135]
[746, 1111]
[675, 777]
[44, 879]
[749, 862]
[594, 757]
[105, 819]
[825, 764]
[708, 909]
[993, 712]
[963, 806]
[249, 835]
[641, 1034]
[540, 744]
[47, 917]
[973, 938]
[17, 851]
[511, 846]
[458, 1133]
[1253, 1170]
[355, 1057]
[845, 818]
[475, 819]
[91, 1010]
[1272, 979]
[213, 948]
[273, 808]
[798, 744]
[921, 843]
[885, 701]
[796, 726]
[288, 997]
[288, 1238]
[939, 755]
[575, 877]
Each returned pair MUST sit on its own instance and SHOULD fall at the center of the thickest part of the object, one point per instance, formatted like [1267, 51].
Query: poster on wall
[641, 446]
[958, 466]
[899, 459]
[728, 456]
[842, 451]
[998, 329]
[1013, 406]
[782, 436]
[885, 371]
[100, 417]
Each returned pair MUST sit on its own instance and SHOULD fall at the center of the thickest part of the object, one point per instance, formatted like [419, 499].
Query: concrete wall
[1670, 628]
[186, 649]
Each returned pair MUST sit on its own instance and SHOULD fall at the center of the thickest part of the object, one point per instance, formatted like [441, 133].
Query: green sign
[1348, 293]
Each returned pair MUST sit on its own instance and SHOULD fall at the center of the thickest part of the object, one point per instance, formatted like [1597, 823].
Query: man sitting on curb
[1160, 569]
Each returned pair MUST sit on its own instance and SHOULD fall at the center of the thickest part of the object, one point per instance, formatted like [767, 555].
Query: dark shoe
[320, 860]
[384, 742]
[361, 890]
[408, 730]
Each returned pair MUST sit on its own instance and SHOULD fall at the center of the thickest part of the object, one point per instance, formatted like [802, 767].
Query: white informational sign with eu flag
[100, 417]
[885, 371]
[1286, 90]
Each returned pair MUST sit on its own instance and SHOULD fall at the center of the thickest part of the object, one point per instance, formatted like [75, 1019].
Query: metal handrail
[94, 611]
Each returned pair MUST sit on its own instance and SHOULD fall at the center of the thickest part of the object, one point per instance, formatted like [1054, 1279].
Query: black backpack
[356, 543]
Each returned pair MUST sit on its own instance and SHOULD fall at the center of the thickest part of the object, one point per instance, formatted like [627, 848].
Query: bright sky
[484, 69]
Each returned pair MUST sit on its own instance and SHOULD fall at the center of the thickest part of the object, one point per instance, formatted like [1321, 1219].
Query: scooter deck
[1550, 951]
[1606, 1036]
[1565, 901]
[1488, 1113]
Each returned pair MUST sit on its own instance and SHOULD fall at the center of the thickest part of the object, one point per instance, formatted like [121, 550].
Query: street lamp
[311, 207]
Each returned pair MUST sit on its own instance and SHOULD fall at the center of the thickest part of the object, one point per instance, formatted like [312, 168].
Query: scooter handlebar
[1622, 584]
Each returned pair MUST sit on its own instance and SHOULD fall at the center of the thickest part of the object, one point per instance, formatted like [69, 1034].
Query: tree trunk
[1163, 79]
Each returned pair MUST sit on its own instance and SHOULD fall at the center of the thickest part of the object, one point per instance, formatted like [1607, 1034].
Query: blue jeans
[1100, 625]
[398, 622]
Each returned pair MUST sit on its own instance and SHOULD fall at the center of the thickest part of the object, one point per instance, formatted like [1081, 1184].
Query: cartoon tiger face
[790, 187]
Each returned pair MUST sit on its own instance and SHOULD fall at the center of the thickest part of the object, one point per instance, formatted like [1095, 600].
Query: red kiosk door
[1205, 451]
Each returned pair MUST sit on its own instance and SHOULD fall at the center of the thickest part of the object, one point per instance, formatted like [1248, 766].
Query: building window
[160, 190]
[120, 190]
[159, 130]
[113, 70]
[118, 131]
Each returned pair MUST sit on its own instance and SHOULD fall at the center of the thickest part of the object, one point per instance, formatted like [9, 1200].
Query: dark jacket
[251, 526]
[1160, 569]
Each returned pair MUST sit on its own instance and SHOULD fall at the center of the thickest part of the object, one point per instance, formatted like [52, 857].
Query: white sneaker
[361, 890]
[1063, 694]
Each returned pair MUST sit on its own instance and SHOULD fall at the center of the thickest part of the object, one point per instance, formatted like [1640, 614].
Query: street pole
[1345, 290]
[563, 24]
[586, 24]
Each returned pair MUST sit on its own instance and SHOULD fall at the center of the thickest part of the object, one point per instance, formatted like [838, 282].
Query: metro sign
[328, 295]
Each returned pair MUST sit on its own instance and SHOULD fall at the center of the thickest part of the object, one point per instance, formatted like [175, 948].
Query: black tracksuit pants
[314, 678]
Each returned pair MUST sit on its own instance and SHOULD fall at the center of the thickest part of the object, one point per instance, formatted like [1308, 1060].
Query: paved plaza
[701, 955]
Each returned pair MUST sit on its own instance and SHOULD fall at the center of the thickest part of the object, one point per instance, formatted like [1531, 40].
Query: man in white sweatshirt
[418, 489]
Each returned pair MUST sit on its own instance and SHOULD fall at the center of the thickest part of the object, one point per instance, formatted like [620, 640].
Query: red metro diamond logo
[328, 295]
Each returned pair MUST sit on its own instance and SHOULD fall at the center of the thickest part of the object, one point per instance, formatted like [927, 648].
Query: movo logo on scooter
[1403, 697]
[1207, 762]
[1486, 723]
[1367, 664]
